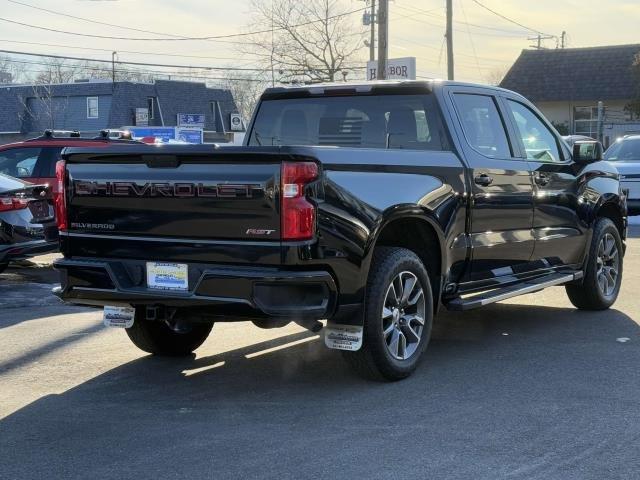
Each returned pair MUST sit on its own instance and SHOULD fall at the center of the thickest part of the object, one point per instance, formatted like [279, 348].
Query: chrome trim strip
[176, 240]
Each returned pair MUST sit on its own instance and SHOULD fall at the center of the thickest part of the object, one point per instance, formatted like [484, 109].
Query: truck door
[559, 237]
[501, 188]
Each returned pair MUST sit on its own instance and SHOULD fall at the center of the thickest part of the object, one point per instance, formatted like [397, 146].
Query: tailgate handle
[161, 161]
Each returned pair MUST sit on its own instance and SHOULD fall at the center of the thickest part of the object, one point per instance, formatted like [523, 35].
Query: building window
[150, 107]
[92, 107]
[585, 121]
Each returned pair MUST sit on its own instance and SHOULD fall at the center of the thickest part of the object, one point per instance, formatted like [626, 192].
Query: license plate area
[40, 210]
[168, 276]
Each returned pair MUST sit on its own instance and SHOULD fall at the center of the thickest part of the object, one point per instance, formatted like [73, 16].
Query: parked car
[27, 225]
[625, 155]
[369, 205]
[35, 160]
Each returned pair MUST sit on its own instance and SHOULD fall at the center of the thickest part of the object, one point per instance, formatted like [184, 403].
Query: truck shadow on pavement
[509, 391]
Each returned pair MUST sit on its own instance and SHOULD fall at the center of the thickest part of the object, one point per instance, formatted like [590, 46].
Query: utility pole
[113, 70]
[383, 33]
[600, 123]
[539, 38]
[372, 43]
[449, 35]
[563, 39]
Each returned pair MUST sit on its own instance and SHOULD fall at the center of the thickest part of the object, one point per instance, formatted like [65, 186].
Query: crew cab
[370, 206]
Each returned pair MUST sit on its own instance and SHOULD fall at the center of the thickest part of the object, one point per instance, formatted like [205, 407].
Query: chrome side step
[498, 294]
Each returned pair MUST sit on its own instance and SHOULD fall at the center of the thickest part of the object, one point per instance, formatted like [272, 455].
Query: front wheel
[603, 271]
[3, 266]
[176, 337]
[398, 316]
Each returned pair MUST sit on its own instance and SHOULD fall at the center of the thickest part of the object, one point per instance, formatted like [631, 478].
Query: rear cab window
[397, 121]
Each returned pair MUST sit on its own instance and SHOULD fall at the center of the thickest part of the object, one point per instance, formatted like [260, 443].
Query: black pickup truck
[368, 205]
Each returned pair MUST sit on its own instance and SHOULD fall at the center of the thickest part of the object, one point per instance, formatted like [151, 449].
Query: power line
[473, 47]
[486, 59]
[148, 72]
[423, 22]
[507, 18]
[42, 9]
[143, 64]
[211, 37]
[466, 23]
[109, 50]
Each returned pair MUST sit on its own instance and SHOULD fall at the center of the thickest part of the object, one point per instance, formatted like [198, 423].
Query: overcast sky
[484, 43]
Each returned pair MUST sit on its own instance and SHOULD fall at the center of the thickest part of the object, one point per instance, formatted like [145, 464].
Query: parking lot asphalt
[527, 389]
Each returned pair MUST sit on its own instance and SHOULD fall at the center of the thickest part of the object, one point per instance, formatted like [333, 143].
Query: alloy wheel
[403, 314]
[608, 265]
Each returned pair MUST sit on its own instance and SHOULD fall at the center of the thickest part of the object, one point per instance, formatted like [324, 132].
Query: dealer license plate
[168, 276]
[121, 317]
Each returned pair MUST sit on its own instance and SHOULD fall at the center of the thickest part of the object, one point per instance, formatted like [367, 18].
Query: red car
[35, 160]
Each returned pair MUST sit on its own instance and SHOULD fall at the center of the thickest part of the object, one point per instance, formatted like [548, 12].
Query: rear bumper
[215, 290]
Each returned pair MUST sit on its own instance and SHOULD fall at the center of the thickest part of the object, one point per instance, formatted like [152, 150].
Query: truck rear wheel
[168, 338]
[398, 316]
[603, 271]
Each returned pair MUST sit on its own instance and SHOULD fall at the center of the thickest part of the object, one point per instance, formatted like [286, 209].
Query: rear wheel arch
[419, 234]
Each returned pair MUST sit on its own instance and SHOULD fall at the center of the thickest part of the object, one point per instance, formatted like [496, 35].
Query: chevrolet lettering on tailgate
[165, 189]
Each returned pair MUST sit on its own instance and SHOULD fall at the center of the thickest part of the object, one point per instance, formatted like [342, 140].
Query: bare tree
[633, 107]
[14, 72]
[246, 91]
[57, 70]
[496, 75]
[42, 106]
[305, 41]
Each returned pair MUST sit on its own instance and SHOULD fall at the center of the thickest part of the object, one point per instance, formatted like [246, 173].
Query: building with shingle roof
[91, 106]
[567, 84]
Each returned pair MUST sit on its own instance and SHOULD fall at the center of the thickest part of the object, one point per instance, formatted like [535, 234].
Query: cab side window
[482, 125]
[538, 141]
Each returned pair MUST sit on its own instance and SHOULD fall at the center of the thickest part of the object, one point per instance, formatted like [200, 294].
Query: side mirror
[587, 151]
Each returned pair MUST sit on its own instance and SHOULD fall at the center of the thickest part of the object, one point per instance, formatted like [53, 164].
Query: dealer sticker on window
[343, 337]
[168, 276]
[121, 317]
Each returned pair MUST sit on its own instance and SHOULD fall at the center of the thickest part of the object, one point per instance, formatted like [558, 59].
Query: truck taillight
[60, 201]
[298, 214]
[13, 203]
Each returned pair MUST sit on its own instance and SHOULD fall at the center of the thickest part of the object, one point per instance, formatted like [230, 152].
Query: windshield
[627, 150]
[377, 121]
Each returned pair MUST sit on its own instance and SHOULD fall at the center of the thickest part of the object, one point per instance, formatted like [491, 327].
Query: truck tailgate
[213, 196]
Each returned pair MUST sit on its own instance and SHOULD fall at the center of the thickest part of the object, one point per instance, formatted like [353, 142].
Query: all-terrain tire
[374, 360]
[159, 338]
[590, 294]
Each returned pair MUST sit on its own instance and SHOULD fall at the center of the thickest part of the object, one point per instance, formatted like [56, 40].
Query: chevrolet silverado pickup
[367, 205]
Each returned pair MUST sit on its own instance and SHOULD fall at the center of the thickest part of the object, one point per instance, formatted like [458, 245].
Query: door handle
[483, 180]
[541, 179]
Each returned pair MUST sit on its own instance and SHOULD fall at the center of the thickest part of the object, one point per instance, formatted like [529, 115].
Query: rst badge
[258, 231]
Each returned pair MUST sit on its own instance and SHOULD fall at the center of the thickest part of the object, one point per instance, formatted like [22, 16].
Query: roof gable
[597, 73]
